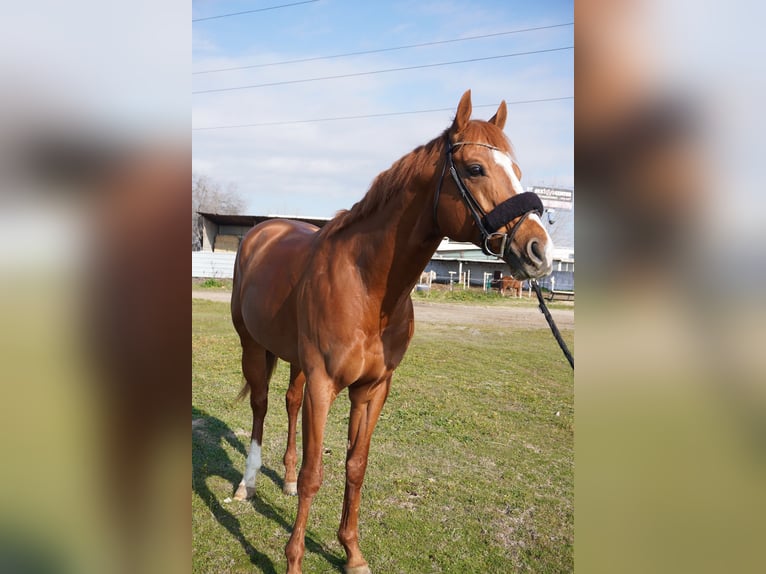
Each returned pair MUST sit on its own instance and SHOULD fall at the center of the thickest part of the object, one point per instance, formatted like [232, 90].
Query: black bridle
[518, 206]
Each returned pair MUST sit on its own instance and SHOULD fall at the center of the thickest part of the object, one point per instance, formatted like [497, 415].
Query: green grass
[212, 283]
[471, 466]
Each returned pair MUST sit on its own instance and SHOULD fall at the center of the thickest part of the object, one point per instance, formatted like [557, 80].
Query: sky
[266, 142]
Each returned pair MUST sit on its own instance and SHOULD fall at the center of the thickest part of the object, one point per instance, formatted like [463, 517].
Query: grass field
[471, 466]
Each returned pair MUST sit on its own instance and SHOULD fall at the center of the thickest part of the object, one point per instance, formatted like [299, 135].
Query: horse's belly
[270, 319]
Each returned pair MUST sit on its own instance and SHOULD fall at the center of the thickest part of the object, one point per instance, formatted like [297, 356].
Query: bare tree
[209, 196]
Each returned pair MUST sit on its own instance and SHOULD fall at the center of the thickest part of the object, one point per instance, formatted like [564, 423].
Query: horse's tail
[244, 391]
[271, 365]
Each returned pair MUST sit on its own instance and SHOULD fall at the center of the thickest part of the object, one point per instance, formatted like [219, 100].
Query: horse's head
[480, 199]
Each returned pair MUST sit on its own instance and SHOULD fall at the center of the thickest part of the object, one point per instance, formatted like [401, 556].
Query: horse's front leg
[293, 403]
[318, 397]
[366, 403]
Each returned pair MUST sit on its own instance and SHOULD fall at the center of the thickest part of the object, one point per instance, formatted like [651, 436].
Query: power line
[379, 50]
[252, 11]
[379, 115]
[357, 74]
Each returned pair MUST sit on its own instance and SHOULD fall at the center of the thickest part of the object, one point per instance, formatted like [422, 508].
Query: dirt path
[452, 313]
[519, 317]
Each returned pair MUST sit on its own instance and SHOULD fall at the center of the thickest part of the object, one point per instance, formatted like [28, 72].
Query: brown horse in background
[335, 303]
[508, 283]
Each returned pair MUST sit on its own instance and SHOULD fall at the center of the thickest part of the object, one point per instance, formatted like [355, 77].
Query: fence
[213, 264]
[221, 265]
[444, 270]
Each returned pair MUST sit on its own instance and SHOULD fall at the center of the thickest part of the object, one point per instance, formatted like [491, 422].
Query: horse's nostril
[535, 251]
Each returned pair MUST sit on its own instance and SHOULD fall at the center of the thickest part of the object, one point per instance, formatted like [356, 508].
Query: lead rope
[554, 329]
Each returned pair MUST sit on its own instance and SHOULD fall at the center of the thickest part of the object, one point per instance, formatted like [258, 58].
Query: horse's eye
[475, 169]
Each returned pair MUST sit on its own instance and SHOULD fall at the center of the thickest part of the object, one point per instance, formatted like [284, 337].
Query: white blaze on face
[252, 465]
[506, 162]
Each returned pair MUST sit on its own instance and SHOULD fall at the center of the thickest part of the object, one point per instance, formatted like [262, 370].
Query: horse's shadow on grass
[209, 458]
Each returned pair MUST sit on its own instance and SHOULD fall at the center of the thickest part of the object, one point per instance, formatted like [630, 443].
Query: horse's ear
[499, 118]
[463, 114]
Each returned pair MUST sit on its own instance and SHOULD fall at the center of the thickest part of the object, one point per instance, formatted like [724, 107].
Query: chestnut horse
[335, 303]
[508, 283]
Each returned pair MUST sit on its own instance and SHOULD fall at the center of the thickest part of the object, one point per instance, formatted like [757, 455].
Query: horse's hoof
[244, 492]
[290, 488]
[364, 569]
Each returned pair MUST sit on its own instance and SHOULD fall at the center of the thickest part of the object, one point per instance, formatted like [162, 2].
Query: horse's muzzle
[531, 259]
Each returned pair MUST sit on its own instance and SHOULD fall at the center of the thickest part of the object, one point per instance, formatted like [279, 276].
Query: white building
[221, 235]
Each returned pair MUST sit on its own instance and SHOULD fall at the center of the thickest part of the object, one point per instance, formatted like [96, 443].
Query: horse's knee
[289, 403]
[294, 392]
[294, 554]
[309, 482]
[355, 469]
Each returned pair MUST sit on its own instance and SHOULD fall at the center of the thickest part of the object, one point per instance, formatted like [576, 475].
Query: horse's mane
[387, 184]
[393, 180]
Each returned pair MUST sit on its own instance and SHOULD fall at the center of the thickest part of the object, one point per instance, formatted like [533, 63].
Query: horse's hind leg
[257, 367]
[293, 401]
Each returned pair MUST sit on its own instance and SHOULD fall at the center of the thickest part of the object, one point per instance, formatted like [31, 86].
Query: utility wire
[379, 50]
[357, 74]
[380, 115]
[252, 11]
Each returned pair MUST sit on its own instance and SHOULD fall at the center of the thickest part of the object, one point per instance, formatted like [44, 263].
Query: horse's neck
[394, 254]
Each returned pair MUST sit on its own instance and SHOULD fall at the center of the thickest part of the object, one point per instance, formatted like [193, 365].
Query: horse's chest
[364, 357]
[354, 340]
